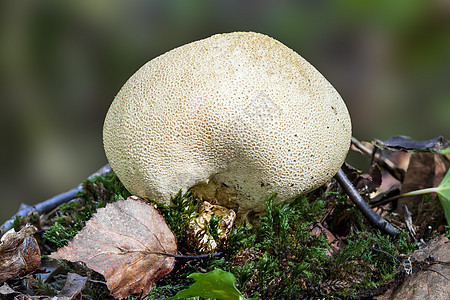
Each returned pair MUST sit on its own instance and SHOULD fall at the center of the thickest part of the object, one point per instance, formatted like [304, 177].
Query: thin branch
[50, 204]
[365, 209]
[215, 254]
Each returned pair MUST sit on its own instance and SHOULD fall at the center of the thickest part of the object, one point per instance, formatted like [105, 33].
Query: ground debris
[431, 273]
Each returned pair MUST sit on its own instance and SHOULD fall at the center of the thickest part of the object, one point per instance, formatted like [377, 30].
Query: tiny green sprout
[442, 190]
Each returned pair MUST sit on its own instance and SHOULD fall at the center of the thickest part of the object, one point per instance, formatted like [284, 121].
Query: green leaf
[215, 284]
[443, 191]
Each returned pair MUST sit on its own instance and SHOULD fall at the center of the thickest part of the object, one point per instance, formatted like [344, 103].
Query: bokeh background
[62, 62]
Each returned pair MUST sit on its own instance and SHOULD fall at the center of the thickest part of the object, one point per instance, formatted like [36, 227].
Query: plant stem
[418, 192]
[408, 194]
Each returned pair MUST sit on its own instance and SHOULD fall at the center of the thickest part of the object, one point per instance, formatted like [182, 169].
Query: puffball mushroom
[235, 117]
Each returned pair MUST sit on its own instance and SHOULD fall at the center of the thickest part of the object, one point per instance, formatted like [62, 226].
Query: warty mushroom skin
[234, 116]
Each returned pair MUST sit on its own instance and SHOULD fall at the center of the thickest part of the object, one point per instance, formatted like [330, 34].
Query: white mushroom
[235, 117]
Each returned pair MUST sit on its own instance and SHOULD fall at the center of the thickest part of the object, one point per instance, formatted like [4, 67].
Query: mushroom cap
[235, 117]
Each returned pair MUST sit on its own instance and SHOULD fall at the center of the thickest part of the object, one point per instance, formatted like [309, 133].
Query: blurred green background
[62, 62]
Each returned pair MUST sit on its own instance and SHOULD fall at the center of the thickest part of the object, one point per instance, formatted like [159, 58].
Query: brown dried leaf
[125, 242]
[19, 253]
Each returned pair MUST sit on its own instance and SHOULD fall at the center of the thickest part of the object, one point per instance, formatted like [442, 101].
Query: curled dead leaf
[127, 242]
[199, 238]
[19, 253]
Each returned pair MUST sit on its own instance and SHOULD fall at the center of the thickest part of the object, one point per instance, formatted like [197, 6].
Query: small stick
[49, 204]
[365, 209]
[189, 256]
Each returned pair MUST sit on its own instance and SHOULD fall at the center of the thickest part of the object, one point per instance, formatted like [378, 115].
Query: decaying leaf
[404, 143]
[19, 253]
[200, 238]
[317, 230]
[126, 242]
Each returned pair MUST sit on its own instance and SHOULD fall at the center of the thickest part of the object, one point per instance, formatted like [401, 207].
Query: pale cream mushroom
[234, 116]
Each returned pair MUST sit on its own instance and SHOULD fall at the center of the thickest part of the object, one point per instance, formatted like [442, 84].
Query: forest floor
[318, 246]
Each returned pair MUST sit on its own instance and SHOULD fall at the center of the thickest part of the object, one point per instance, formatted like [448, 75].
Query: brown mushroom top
[236, 116]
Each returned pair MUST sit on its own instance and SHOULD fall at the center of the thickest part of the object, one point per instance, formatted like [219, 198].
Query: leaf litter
[262, 267]
[128, 242]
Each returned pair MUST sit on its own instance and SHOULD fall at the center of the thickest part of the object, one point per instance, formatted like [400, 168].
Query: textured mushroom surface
[234, 116]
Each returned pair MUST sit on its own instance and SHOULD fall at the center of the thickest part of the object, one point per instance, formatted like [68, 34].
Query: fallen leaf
[367, 183]
[318, 230]
[127, 242]
[199, 238]
[405, 143]
[19, 253]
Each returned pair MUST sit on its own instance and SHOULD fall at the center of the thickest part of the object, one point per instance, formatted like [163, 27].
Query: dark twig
[49, 204]
[365, 209]
[189, 256]
[128, 251]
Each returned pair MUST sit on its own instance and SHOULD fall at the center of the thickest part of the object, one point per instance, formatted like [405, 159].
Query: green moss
[283, 253]
[178, 215]
[213, 227]
[279, 258]
[368, 260]
[17, 223]
[40, 287]
[61, 235]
